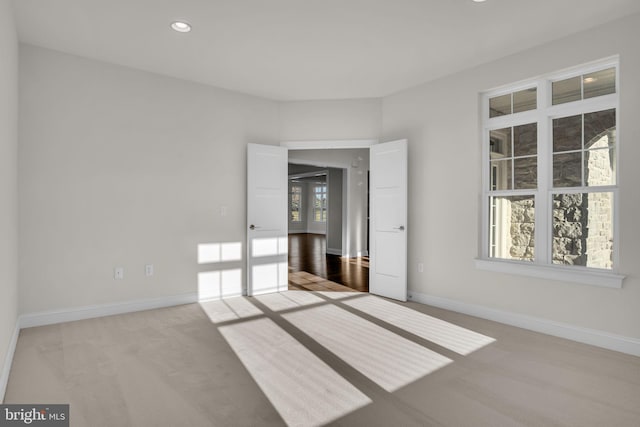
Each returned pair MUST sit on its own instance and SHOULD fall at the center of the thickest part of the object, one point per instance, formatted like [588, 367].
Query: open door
[388, 239]
[267, 269]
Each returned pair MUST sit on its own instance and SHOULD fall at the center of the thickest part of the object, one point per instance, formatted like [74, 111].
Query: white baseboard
[594, 337]
[333, 251]
[8, 360]
[92, 311]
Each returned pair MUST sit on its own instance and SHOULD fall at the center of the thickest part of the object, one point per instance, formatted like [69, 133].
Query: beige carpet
[299, 358]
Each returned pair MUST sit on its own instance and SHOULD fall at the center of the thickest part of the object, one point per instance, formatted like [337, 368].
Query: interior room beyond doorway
[328, 220]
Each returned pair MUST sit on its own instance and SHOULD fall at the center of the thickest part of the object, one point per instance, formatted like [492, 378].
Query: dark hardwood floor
[307, 253]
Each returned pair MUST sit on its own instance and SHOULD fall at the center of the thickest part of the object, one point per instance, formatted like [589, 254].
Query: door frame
[329, 144]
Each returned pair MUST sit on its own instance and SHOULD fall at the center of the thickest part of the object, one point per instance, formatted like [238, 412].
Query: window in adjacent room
[550, 179]
[320, 203]
[295, 202]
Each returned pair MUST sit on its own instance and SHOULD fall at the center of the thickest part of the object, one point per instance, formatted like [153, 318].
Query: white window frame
[542, 266]
[291, 192]
[323, 208]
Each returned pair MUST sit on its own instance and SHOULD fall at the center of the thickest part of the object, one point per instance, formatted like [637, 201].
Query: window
[320, 203]
[295, 202]
[550, 181]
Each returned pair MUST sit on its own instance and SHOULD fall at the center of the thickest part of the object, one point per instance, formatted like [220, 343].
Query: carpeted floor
[317, 358]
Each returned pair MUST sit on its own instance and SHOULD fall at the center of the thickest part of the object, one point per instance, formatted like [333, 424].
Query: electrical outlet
[118, 273]
[420, 267]
[148, 270]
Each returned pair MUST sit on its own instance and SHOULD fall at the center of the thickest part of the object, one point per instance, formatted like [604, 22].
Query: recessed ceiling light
[479, 1]
[181, 26]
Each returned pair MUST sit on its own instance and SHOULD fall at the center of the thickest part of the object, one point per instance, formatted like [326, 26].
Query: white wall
[334, 211]
[8, 185]
[119, 167]
[441, 121]
[330, 120]
[356, 162]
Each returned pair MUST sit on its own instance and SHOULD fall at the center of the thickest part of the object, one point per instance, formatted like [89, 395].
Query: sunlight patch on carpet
[303, 389]
[389, 360]
[453, 337]
[225, 310]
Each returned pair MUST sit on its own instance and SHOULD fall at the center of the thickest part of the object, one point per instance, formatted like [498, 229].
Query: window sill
[580, 275]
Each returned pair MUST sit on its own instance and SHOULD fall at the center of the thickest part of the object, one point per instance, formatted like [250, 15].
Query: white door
[267, 223]
[388, 240]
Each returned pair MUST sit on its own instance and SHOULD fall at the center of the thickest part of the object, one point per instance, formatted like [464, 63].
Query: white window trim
[542, 267]
[582, 275]
[296, 185]
[321, 209]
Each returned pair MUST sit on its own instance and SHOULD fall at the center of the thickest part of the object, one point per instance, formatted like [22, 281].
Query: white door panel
[266, 219]
[386, 262]
[388, 240]
[389, 178]
[386, 213]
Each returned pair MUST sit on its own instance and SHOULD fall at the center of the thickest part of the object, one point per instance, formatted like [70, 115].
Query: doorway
[328, 217]
[267, 230]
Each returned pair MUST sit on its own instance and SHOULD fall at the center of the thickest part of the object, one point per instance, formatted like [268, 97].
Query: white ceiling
[306, 49]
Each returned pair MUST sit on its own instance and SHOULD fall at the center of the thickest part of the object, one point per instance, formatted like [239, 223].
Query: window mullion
[544, 207]
[582, 154]
[486, 168]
